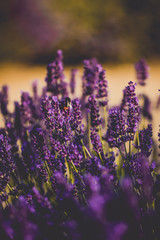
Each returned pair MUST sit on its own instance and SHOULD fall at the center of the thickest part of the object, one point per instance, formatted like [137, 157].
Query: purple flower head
[135, 164]
[145, 140]
[94, 111]
[133, 117]
[21, 224]
[140, 170]
[95, 140]
[93, 166]
[102, 92]
[90, 76]
[142, 71]
[55, 76]
[11, 134]
[40, 202]
[7, 166]
[110, 163]
[116, 132]
[76, 116]
[41, 151]
[28, 156]
[75, 154]
[73, 80]
[27, 109]
[51, 112]
[40, 147]
[57, 120]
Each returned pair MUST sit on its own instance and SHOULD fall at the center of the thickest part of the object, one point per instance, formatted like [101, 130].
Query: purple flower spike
[41, 151]
[27, 109]
[48, 113]
[142, 71]
[145, 140]
[94, 111]
[7, 165]
[55, 76]
[95, 140]
[93, 166]
[90, 76]
[133, 117]
[76, 117]
[75, 154]
[116, 133]
[102, 89]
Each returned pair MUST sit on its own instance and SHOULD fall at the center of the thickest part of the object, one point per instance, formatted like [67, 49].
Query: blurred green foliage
[111, 30]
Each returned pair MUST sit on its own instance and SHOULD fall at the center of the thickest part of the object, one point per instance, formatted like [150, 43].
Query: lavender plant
[57, 182]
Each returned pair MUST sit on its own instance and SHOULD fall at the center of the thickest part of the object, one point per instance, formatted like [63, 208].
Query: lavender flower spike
[133, 117]
[116, 132]
[145, 139]
[7, 165]
[55, 76]
[94, 111]
[142, 71]
[76, 117]
[102, 89]
[95, 140]
[90, 76]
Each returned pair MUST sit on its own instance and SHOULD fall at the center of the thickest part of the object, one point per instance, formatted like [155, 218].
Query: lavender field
[80, 151]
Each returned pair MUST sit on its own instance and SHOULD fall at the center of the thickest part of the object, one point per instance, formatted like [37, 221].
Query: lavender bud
[116, 132]
[94, 111]
[55, 76]
[102, 89]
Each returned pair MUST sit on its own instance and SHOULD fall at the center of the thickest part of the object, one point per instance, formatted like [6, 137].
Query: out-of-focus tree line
[111, 30]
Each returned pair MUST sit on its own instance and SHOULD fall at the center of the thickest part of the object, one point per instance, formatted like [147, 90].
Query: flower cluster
[116, 132]
[133, 117]
[55, 76]
[60, 180]
[94, 111]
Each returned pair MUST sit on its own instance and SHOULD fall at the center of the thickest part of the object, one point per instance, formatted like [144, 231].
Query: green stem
[71, 179]
[125, 149]
[85, 150]
[121, 154]
[9, 187]
[89, 125]
[47, 168]
[101, 158]
[74, 167]
[137, 136]
[130, 148]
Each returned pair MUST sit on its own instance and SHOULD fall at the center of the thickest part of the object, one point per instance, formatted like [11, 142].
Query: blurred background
[116, 32]
[110, 30]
